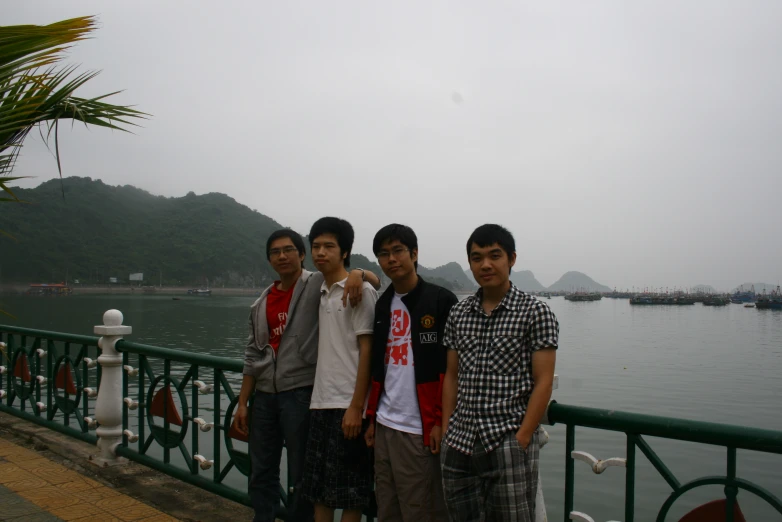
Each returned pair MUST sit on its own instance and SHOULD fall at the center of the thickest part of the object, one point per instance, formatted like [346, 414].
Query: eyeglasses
[288, 250]
[396, 252]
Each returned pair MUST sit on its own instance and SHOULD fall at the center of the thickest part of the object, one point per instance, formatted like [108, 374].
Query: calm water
[719, 364]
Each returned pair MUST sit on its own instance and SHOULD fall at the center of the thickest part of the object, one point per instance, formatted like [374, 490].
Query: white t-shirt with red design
[398, 406]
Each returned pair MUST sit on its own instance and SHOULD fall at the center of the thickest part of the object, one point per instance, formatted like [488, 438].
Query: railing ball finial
[112, 318]
[109, 405]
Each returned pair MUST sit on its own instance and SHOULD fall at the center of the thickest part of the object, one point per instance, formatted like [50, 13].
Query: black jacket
[429, 306]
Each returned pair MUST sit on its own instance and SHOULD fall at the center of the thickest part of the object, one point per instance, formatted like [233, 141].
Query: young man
[408, 365]
[502, 349]
[337, 471]
[279, 368]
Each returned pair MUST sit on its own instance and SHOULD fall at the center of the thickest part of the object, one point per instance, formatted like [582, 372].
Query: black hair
[294, 236]
[396, 232]
[340, 229]
[490, 234]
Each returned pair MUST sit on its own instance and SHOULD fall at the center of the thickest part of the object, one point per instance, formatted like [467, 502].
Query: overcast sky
[638, 142]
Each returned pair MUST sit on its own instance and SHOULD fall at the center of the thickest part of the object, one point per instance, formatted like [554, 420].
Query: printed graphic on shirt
[428, 337]
[283, 319]
[277, 304]
[398, 406]
[398, 345]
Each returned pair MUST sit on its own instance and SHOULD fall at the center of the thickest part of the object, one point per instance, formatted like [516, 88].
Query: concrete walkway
[34, 488]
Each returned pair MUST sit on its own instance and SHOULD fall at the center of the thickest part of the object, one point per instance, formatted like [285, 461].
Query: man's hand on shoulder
[353, 287]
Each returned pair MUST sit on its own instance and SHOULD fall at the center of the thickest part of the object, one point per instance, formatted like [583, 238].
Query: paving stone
[19, 509]
[35, 489]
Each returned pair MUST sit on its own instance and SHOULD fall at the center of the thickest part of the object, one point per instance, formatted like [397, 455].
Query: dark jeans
[277, 418]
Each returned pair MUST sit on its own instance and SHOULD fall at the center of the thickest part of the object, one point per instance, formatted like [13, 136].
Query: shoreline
[173, 291]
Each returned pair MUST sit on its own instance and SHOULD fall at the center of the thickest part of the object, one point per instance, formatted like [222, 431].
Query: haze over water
[718, 364]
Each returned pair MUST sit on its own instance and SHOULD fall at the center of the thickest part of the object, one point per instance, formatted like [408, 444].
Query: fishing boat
[662, 299]
[742, 296]
[749, 305]
[772, 301]
[49, 289]
[583, 296]
[716, 300]
[200, 292]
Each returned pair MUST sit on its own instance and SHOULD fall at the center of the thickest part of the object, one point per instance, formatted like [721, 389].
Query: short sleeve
[449, 335]
[544, 330]
[364, 314]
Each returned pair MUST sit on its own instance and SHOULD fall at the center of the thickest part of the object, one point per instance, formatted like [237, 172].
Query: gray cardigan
[294, 365]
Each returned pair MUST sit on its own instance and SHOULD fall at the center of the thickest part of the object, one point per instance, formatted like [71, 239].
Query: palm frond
[35, 91]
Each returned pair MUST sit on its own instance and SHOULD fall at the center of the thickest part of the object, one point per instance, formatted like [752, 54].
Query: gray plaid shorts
[498, 485]
[337, 472]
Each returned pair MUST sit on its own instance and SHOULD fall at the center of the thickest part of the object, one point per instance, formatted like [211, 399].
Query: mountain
[451, 273]
[525, 280]
[759, 287]
[99, 231]
[573, 281]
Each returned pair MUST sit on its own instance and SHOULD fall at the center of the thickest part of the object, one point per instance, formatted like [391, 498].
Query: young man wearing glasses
[279, 367]
[408, 366]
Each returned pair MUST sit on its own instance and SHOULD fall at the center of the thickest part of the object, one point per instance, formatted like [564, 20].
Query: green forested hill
[100, 231]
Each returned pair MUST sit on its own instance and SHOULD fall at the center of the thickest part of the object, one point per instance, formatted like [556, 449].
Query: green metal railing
[636, 427]
[51, 378]
[32, 360]
[43, 398]
[158, 430]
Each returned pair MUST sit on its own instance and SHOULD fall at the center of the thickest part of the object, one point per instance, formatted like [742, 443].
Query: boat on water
[201, 292]
[662, 299]
[749, 305]
[619, 295]
[46, 289]
[772, 301]
[716, 300]
[743, 296]
[583, 296]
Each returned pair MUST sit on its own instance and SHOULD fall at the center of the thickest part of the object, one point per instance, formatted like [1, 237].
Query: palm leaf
[34, 91]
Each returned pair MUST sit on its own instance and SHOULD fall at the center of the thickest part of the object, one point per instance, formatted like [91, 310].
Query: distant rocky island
[576, 281]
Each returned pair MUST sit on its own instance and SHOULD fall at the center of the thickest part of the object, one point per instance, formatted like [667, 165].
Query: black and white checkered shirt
[495, 364]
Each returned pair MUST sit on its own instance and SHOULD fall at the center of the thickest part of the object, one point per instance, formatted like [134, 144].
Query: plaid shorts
[337, 471]
[498, 485]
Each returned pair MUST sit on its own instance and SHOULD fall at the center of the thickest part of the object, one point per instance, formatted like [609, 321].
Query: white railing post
[108, 407]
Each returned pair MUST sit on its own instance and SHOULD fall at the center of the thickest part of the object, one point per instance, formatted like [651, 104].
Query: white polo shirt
[339, 327]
